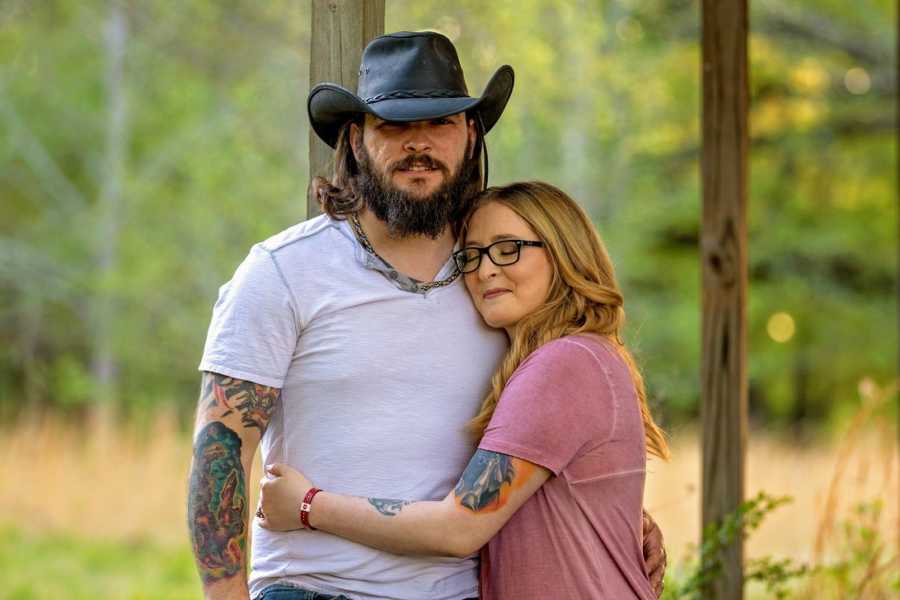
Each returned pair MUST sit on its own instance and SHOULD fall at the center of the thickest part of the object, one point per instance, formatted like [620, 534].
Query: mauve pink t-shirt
[571, 407]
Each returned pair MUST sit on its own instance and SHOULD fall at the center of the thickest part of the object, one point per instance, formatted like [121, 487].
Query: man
[347, 344]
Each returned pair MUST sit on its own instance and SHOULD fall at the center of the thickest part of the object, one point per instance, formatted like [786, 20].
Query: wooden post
[724, 257]
[340, 31]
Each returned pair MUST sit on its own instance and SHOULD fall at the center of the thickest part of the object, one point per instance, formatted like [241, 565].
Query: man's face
[415, 176]
[417, 157]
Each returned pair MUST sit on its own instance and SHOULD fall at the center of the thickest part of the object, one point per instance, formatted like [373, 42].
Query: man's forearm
[217, 512]
[231, 417]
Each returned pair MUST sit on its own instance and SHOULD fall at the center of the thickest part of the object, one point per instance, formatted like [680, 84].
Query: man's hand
[654, 554]
[280, 493]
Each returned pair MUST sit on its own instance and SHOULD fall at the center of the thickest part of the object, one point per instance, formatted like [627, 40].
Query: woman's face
[503, 295]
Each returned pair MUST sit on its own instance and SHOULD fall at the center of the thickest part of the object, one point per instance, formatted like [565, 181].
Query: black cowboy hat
[407, 76]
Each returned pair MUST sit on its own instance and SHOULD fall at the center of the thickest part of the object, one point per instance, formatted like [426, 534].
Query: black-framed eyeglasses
[502, 253]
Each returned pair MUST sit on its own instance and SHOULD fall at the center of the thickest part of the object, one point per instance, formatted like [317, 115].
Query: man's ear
[356, 134]
[472, 133]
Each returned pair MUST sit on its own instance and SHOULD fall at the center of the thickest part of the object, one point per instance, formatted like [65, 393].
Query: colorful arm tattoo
[254, 402]
[217, 503]
[217, 495]
[387, 506]
[481, 483]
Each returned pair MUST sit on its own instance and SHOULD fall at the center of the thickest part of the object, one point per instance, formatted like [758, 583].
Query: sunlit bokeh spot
[810, 77]
[857, 80]
[867, 388]
[805, 113]
[781, 327]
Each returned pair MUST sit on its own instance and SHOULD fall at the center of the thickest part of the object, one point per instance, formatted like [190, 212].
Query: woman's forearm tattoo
[387, 506]
[481, 482]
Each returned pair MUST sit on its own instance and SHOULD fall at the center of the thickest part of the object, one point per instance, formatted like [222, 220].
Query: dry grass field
[826, 479]
[128, 485]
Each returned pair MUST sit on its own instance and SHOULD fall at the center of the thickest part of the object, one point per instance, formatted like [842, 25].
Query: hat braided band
[414, 94]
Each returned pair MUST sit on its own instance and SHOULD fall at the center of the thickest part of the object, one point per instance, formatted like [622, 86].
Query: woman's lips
[494, 292]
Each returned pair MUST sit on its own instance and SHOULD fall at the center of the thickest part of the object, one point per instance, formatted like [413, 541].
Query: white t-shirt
[378, 381]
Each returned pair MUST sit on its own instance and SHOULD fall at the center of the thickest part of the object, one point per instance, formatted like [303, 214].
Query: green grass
[39, 566]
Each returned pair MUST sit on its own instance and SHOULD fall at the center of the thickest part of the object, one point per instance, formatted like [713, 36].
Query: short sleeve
[254, 328]
[557, 401]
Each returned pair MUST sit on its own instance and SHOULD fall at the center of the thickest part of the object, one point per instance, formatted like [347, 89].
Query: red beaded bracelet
[305, 506]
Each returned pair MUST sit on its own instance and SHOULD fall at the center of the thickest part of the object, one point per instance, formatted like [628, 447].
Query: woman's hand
[281, 493]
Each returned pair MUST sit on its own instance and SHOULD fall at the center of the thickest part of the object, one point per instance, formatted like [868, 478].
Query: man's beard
[407, 215]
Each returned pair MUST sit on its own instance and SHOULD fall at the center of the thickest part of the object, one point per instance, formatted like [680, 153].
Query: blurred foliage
[864, 566]
[606, 105]
[87, 569]
[705, 566]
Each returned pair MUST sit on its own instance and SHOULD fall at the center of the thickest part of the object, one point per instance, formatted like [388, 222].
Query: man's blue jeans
[289, 592]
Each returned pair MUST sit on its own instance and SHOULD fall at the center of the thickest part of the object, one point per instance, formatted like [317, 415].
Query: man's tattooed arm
[253, 402]
[232, 416]
[217, 503]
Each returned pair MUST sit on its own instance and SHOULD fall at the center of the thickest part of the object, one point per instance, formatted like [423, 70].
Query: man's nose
[417, 140]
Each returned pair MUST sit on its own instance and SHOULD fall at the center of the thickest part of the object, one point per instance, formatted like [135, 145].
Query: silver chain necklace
[367, 246]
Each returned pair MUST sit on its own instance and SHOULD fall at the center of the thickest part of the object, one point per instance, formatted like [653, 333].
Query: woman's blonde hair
[583, 298]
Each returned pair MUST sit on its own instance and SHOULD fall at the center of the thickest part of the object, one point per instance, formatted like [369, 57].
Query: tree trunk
[29, 335]
[103, 364]
[897, 176]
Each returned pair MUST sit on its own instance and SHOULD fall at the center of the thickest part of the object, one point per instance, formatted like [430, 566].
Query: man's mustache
[418, 160]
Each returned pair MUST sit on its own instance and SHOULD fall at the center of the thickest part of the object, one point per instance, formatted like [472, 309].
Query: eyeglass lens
[502, 253]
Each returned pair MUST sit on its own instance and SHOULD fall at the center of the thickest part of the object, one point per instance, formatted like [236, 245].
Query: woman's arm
[491, 489]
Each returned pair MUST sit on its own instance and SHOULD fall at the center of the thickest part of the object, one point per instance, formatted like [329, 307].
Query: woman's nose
[487, 268]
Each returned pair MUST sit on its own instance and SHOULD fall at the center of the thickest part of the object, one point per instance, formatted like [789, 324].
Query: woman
[553, 494]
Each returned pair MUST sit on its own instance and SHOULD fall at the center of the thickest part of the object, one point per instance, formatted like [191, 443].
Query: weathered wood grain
[340, 30]
[724, 256]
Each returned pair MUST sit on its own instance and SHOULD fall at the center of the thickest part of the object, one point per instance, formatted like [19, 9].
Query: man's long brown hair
[583, 298]
[340, 197]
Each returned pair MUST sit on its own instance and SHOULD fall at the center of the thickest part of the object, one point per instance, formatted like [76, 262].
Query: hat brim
[330, 106]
